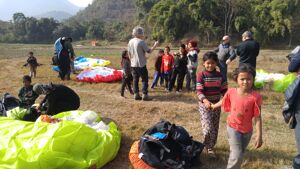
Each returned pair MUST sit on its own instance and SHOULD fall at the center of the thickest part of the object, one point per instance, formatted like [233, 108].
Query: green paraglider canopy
[66, 144]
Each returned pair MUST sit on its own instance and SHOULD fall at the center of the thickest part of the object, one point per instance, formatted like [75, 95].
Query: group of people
[242, 103]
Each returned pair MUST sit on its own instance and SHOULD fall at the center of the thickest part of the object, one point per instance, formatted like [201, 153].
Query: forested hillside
[271, 21]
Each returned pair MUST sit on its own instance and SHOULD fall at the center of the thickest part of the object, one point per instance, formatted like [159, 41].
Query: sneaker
[211, 153]
[146, 97]
[137, 97]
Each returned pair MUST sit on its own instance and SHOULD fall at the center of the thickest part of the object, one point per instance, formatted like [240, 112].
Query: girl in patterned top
[210, 87]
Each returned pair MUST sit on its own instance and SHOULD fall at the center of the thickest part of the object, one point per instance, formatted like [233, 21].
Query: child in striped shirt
[210, 87]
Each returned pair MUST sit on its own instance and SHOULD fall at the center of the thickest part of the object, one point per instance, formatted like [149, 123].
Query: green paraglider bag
[63, 145]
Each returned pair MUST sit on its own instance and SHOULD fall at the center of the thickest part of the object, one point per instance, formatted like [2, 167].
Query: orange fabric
[48, 119]
[242, 109]
[136, 162]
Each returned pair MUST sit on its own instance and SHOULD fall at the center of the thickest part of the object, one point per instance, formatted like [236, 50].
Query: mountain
[57, 15]
[116, 10]
[34, 7]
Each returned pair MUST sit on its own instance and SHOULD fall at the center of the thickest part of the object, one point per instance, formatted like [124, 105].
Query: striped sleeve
[200, 87]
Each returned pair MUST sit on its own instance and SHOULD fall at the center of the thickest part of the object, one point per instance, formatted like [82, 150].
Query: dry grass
[134, 117]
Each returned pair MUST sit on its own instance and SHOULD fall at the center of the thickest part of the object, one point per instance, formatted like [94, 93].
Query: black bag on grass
[166, 145]
[8, 102]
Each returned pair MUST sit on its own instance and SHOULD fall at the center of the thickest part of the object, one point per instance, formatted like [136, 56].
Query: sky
[81, 3]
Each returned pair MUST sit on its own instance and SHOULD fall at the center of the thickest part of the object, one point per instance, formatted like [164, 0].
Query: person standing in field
[211, 86]
[167, 66]
[226, 54]
[66, 55]
[179, 69]
[243, 104]
[158, 74]
[192, 65]
[248, 50]
[32, 63]
[292, 96]
[127, 77]
[137, 49]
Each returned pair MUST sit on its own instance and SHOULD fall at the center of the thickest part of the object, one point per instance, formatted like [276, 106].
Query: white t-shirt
[137, 49]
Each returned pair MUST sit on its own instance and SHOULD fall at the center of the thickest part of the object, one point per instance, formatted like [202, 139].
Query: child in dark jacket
[157, 73]
[127, 77]
[32, 62]
[179, 69]
[166, 66]
[26, 94]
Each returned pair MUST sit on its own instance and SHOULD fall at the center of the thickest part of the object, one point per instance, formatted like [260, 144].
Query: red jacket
[167, 63]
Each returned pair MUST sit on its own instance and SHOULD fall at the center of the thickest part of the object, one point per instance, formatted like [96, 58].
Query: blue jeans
[223, 69]
[156, 77]
[191, 77]
[137, 73]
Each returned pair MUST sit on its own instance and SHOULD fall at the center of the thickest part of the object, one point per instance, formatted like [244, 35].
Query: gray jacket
[225, 52]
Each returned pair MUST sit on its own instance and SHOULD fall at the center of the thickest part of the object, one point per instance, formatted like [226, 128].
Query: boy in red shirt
[166, 66]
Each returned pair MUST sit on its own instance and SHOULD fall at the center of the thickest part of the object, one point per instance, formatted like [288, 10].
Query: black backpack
[166, 145]
[8, 102]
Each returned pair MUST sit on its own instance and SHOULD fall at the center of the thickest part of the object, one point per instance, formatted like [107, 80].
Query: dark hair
[161, 51]
[182, 46]
[193, 43]
[30, 53]
[27, 78]
[210, 55]
[167, 47]
[243, 68]
[124, 53]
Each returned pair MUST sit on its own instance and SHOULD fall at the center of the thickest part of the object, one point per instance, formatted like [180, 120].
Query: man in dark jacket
[292, 96]
[59, 98]
[66, 56]
[248, 50]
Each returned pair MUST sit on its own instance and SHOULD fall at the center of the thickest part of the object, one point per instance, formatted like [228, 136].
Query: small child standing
[179, 69]
[157, 73]
[166, 66]
[243, 104]
[127, 77]
[210, 87]
[26, 94]
[32, 62]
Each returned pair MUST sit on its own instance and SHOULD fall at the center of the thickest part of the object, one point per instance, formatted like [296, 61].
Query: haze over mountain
[58, 15]
[35, 7]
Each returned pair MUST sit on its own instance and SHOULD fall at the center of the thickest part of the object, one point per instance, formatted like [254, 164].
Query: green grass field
[134, 117]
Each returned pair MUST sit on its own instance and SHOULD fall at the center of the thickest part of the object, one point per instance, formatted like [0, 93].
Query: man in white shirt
[137, 49]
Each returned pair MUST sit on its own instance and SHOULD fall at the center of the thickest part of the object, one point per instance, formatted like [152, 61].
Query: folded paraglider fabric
[65, 144]
[280, 81]
[82, 63]
[99, 74]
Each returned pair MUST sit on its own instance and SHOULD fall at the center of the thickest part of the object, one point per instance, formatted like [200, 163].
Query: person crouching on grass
[210, 87]
[127, 77]
[243, 104]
